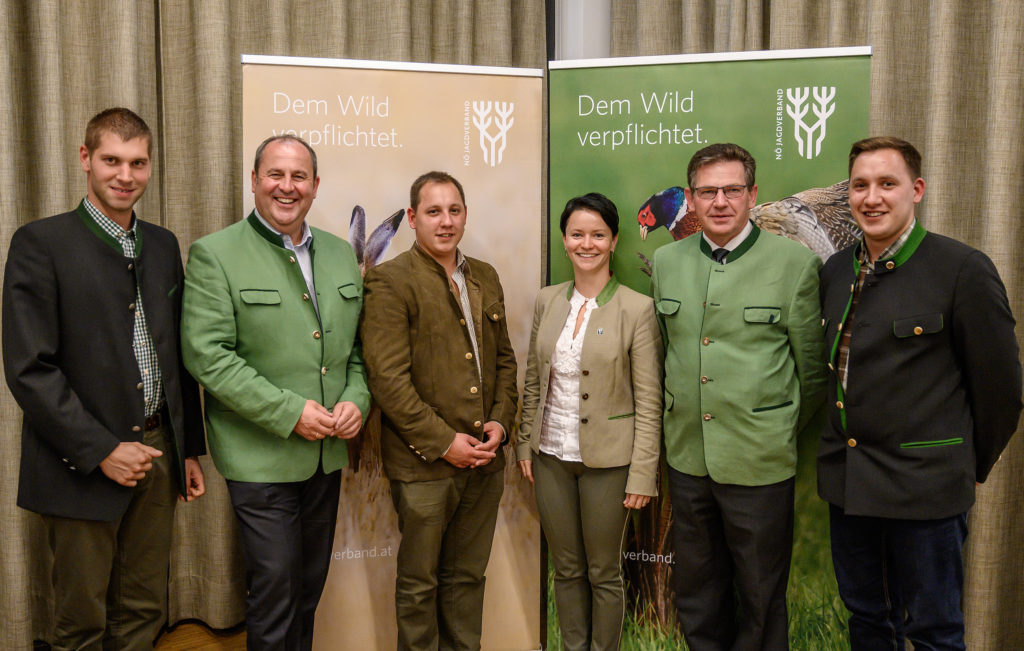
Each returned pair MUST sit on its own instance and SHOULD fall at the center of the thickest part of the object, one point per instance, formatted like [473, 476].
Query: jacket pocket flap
[495, 311]
[924, 324]
[351, 290]
[667, 306]
[260, 296]
[762, 314]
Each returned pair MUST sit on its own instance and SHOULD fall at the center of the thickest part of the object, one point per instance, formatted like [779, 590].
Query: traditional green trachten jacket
[744, 360]
[252, 338]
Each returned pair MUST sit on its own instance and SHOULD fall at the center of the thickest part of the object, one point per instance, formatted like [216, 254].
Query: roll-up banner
[376, 126]
[627, 128]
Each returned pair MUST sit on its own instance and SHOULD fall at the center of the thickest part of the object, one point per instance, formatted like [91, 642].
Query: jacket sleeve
[357, 388]
[646, 360]
[31, 349]
[209, 342]
[388, 356]
[989, 358]
[195, 440]
[531, 389]
[506, 388]
[807, 341]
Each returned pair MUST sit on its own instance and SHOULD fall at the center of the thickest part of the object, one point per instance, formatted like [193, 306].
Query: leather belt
[156, 420]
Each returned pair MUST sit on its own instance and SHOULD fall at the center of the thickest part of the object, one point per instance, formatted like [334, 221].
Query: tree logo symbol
[493, 141]
[810, 137]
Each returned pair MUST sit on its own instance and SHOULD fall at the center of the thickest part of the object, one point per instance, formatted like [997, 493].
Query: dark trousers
[900, 579]
[731, 539]
[287, 531]
[447, 529]
[584, 523]
[110, 578]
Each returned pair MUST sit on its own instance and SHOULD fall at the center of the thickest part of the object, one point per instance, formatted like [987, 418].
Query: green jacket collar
[603, 296]
[91, 224]
[896, 260]
[270, 235]
[736, 253]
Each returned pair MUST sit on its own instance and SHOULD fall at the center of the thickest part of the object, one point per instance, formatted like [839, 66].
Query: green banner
[627, 128]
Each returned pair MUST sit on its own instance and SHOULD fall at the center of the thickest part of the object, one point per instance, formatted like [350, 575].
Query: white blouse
[560, 431]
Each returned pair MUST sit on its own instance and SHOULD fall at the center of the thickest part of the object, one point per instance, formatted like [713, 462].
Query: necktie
[718, 255]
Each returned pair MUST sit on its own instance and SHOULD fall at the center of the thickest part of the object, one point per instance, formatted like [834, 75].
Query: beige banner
[375, 128]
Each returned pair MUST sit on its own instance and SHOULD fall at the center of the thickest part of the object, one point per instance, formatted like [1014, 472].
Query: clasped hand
[316, 422]
[469, 452]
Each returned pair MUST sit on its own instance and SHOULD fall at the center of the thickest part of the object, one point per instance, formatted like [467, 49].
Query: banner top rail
[316, 62]
[752, 55]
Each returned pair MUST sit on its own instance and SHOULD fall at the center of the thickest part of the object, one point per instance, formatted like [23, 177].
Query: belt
[157, 419]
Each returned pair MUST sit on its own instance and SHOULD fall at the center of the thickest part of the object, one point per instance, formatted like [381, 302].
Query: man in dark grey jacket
[112, 427]
[925, 392]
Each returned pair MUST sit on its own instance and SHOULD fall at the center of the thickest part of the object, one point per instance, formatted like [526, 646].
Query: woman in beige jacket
[589, 437]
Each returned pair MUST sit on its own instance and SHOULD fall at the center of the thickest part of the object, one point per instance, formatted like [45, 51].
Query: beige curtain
[177, 63]
[946, 75]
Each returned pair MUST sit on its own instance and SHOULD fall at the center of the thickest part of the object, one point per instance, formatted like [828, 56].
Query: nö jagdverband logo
[492, 121]
[810, 108]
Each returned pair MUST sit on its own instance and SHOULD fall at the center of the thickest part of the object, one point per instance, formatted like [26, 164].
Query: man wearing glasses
[744, 372]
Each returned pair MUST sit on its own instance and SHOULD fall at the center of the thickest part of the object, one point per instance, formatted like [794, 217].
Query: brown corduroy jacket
[421, 366]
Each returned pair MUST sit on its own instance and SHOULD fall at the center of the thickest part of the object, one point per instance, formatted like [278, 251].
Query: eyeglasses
[709, 192]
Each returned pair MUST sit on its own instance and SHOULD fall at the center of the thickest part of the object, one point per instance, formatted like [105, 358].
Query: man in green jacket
[271, 311]
[443, 371]
[744, 372]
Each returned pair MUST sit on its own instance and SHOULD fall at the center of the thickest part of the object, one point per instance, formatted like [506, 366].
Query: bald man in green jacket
[271, 312]
[744, 372]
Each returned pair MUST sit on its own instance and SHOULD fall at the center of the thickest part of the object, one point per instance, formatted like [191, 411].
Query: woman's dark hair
[599, 203]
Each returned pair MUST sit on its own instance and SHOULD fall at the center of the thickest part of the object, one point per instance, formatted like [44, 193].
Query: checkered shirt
[866, 267]
[142, 341]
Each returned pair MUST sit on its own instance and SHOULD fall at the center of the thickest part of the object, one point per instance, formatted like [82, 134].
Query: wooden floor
[195, 635]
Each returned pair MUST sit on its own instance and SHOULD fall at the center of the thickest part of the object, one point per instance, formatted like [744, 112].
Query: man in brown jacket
[443, 372]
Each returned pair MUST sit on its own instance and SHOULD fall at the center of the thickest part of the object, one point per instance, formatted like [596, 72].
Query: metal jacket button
[316, 334]
[852, 443]
[707, 416]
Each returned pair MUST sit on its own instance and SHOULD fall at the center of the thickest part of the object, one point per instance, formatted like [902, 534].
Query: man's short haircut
[910, 155]
[596, 202]
[283, 136]
[720, 153]
[125, 123]
[433, 177]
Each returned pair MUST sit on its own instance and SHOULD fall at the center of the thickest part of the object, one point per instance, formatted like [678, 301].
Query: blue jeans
[900, 579]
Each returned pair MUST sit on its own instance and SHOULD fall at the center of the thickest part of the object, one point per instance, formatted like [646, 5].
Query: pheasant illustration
[668, 208]
[818, 218]
[370, 251]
